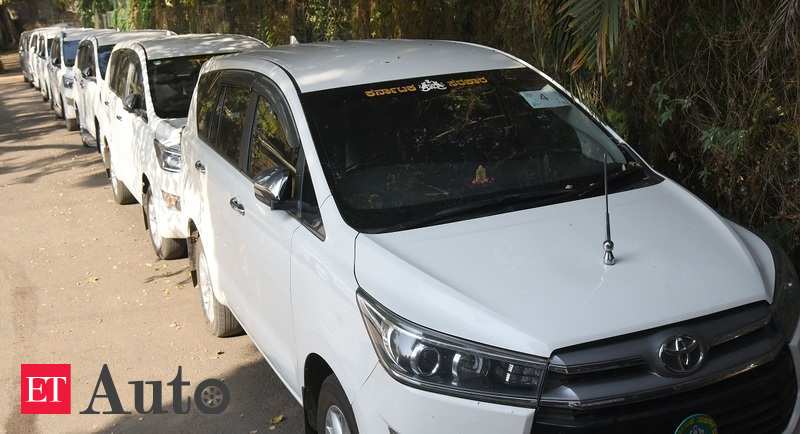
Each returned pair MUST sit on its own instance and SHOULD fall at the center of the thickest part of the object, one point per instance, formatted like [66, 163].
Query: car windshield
[103, 55]
[70, 49]
[427, 150]
[172, 83]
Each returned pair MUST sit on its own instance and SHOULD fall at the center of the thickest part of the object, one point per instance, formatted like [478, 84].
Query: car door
[121, 133]
[224, 177]
[87, 87]
[142, 135]
[262, 237]
[119, 136]
[198, 149]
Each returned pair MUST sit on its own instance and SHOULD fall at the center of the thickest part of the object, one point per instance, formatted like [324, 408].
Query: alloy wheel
[335, 422]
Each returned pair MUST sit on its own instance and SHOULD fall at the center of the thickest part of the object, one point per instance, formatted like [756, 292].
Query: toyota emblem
[681, 355]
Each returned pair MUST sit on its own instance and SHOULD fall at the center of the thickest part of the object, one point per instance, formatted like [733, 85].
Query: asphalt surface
[80, 284]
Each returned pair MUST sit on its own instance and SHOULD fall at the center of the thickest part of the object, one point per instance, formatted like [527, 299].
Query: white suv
[43, 39]
[93, 54]
[414, 234]
[150, 84]
[61, 73]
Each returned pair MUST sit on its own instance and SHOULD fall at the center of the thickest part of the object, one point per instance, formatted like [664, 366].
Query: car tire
[44, 96]
[219, 319]
[71, 124]
[52, 105]
[165, 248]
[60, 114]
[122, 195]
[334, 412]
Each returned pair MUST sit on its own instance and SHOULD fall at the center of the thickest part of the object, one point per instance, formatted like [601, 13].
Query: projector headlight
[786, 298]
[426, 359]
[68, 82]
[169, 157]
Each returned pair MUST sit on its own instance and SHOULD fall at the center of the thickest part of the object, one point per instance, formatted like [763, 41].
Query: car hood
[168, 131]
[534, 280]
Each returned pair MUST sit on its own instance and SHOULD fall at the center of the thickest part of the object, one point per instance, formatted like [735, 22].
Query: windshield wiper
[612, 177]
[473, 208]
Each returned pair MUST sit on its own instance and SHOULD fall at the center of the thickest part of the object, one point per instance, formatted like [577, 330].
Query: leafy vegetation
[708, 91]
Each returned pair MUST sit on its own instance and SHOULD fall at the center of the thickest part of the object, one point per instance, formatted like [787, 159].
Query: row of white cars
[415, 235]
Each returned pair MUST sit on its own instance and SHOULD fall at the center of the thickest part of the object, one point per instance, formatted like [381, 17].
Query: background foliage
[707, 90]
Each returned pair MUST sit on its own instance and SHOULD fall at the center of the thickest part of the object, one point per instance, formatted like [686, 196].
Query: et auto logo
[45, 389]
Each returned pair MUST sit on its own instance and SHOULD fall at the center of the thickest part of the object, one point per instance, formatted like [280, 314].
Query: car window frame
[264, 87]
[209, 138]
[239, 79]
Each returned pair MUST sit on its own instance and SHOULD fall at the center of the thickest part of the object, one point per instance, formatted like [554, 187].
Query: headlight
[786, 298]
[433, 361]
[68, 82]
[169, 158]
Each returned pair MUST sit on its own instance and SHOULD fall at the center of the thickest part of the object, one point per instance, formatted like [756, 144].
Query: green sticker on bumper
[697, 424]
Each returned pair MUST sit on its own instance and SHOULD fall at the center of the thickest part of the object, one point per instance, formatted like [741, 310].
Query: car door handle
[119, 118]
[200, 166]
[105, 102]
[238, 207]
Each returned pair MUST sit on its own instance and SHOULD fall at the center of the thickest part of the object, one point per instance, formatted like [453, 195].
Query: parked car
[42, 59]
[62, 74]
[24, 44]
[414, 235]
[93, 54]
[151, 85]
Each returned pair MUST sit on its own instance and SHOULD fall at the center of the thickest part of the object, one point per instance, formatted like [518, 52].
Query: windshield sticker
[429, 85]
[467, 82]
[547, 97]
[390, 90]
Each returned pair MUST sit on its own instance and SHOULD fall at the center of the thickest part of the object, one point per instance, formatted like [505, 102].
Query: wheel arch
[315, 371]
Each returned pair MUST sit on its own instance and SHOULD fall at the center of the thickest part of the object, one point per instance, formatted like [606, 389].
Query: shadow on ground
[249, 410]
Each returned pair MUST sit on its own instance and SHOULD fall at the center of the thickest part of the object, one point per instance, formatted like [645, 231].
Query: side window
[231, 121]
[134, 83]
[119, 73]
[207, 101]
[55, 51]
[269, 144]
[309, 208]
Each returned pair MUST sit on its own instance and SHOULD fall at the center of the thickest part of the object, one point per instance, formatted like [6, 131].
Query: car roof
[198, 44]
[78, 34]
[113, 38]
[50, 32]
[328, 65]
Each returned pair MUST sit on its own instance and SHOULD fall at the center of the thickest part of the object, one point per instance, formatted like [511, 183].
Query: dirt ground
[79, 284]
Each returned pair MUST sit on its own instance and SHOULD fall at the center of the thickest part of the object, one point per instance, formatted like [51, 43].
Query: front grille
[760, 400]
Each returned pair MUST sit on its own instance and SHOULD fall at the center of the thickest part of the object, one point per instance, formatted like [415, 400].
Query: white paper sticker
[547, 97]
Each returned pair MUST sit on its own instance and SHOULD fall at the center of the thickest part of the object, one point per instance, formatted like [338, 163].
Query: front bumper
[384, 405]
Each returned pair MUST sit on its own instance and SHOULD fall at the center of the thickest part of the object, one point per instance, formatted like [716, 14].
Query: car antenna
[608, 245]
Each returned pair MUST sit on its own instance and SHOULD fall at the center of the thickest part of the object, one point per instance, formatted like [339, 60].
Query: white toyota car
[92, 62]
[150, 85]
[416, 236]
[61, 73]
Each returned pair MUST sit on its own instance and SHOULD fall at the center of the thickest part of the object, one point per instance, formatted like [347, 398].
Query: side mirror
[131, 103]
[272, 187]
[87, 72]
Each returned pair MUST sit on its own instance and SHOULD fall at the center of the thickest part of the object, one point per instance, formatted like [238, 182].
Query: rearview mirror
[273, 188]
[132, 102]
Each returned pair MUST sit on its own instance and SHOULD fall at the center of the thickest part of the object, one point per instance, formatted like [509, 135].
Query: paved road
[80, 284]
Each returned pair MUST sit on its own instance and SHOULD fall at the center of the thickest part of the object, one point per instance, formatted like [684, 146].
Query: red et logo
[44, 389]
